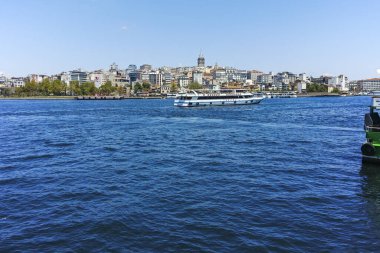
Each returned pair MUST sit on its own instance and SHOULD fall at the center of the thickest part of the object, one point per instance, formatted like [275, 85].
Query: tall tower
[201, 60]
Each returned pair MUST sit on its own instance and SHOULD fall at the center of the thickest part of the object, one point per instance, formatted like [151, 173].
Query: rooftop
[371, 79]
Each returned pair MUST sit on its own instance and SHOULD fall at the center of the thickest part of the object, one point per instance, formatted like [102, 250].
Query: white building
[65, 77]
[183, 81]
[372, 84]
[3, 80]
[167, 78]
[37, 78]
[302, 77]
[114, 68]
[117, 78]
[265, 79]
[281, 81]
[15, 82]
[252, 75]
[98, 78]
[301, 86]
[338, 82]
[145, 77]
[78, 75]
[165, 89]
[197, 77]
[220, 76]
[235, 75]
[146, 68]
[155, 79]
[353, 86]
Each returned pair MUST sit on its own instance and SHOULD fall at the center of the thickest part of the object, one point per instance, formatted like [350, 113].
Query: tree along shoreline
[57, 88]
[39, 98]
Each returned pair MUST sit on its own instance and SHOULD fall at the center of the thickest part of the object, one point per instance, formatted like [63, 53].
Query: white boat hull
[217, 102]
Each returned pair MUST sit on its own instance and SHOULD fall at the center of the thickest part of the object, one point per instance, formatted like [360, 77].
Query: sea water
[145, 176]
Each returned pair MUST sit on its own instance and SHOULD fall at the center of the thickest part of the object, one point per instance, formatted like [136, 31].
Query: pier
[114, 97]
[99, 98]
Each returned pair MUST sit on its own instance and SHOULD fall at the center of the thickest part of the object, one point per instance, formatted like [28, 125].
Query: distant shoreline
[67, 98]
[40, 98]
[317, 94]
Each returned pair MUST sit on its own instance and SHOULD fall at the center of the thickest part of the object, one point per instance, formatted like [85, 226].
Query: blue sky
[312, 36]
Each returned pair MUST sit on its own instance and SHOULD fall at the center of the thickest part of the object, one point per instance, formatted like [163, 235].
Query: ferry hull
[197, 103]
[371, 159]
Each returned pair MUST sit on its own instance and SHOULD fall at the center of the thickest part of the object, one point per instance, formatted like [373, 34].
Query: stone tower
[201, 60]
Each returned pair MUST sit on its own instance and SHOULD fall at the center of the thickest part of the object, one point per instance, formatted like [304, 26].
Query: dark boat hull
[371, 159]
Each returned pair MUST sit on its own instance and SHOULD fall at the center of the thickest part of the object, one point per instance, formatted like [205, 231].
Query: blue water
[144, 176]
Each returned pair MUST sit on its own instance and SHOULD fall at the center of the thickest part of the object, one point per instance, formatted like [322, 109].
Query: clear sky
[312, 36]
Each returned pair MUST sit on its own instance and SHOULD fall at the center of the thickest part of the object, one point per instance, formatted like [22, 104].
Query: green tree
[30, 88]
[107, 88]
[335, 90]
[58, 87]
[195, 86]
[310, 87]
[7, 91]
[314, 87]
[88, 88]
[173, 87]
[45, 87]
[137, 87]
[74, 88]
[146, 86]
[120, 90]
[20, 91]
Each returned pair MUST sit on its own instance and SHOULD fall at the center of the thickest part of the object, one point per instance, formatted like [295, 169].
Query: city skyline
[321, 37]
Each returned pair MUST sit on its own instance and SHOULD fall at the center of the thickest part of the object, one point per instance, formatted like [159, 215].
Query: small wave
[59, 144]
[245, 142]
[9, 167]
[303, 126]
[197, 119]
[111, 149]
[88, 195]
[8, 181]
[120, 172]
[35, 157]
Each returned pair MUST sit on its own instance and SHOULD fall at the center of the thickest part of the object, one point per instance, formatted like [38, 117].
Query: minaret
[201, 60]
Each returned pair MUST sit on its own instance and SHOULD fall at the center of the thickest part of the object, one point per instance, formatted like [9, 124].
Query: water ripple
[144, 176]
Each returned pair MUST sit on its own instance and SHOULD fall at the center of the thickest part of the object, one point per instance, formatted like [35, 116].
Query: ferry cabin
[201, 99]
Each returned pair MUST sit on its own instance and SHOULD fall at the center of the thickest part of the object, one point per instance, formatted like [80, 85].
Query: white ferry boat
[219, 97]
[174, 95]
[171, 95]
[281, 95]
